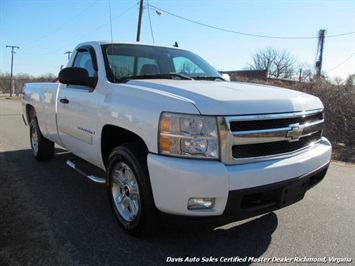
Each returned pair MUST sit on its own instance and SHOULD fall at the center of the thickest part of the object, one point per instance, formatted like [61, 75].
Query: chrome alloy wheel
[125, 192]
[34, 139]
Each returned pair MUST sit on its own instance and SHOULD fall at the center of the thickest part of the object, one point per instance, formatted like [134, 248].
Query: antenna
[109, 3]
[150, 22]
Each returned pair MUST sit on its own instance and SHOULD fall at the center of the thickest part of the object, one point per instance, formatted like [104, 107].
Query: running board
[73, 163]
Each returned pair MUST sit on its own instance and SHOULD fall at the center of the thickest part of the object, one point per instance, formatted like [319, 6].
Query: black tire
[42, 148]
[129, 190]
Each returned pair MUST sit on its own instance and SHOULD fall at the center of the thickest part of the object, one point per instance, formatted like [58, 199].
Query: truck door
[78, 109]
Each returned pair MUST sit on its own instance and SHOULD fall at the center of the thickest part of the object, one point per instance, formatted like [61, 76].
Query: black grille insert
[273, 148]
[274, 123]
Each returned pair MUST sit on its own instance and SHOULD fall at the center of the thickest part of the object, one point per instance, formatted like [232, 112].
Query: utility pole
[140, 20]
[320, 47]
[69, 53]
[12, 65]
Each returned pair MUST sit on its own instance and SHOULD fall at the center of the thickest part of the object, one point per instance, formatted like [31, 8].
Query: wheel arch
[113, 136]
[30, 113]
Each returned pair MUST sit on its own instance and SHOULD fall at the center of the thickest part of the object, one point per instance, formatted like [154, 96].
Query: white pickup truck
[174, 137]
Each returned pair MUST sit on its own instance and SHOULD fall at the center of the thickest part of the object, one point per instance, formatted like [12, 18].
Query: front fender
[138, 110]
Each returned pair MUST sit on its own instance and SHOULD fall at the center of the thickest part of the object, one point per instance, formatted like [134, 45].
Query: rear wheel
[129, 190]
[42, 148]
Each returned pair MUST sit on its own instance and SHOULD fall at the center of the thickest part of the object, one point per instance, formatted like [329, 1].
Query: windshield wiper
[208, 78]
[156, 76]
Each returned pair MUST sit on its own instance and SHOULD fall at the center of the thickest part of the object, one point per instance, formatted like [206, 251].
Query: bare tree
[280, 64]
[306, 72]
[22, 78]
[338, 81]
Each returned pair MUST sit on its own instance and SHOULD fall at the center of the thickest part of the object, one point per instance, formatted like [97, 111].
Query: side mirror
[76, 76]
[226, 77]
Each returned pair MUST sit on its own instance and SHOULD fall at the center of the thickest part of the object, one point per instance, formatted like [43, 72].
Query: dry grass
[339, 106]
[339, 109]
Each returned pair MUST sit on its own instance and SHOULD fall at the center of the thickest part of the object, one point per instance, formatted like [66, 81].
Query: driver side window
[83, 59]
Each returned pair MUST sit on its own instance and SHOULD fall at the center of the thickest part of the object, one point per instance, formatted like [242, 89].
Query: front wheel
[130, 191]
[42, 148]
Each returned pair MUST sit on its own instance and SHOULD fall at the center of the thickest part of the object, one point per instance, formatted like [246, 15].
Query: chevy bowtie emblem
[295, 133]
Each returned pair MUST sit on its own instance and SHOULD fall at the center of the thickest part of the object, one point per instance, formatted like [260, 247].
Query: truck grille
[260, 137]
[271, 148]
[273, 123]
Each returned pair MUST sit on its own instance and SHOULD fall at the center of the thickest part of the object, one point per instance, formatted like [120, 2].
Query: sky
[226, 33]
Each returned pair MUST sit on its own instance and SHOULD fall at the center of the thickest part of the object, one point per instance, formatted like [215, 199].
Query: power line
[67, 21]
[342, 62]
[243, 33]
[340, 35]
[91, 31]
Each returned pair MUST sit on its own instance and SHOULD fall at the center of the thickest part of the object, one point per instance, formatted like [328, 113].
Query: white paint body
[137, 105]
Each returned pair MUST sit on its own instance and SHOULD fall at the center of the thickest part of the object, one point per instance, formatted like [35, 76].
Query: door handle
[64, 100]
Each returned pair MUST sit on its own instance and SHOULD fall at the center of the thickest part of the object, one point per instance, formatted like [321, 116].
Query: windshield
[130, 61]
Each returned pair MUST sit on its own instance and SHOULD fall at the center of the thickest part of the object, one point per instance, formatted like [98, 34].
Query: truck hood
[231, 98]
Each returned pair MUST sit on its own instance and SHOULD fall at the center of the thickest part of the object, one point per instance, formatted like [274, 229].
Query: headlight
[188, 136]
